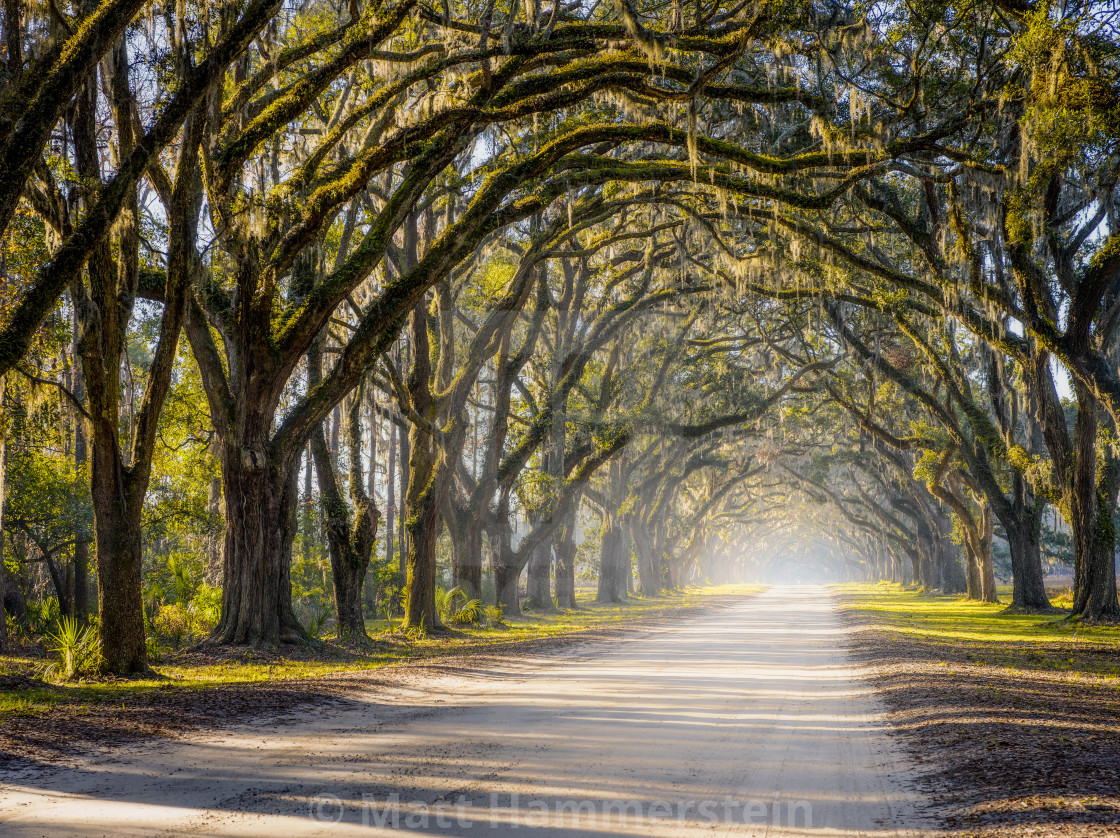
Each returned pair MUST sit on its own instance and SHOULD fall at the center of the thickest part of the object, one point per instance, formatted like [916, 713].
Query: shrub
[313, 615]
[447, 602]
[207, 607]
[153, 648]
[493, 614]
[468, 613]
[1062, 598]
[154, 596]
[455, 609]
[173, 622]
[77, 648]
[182, 581]
[41, 615]
[317, 621]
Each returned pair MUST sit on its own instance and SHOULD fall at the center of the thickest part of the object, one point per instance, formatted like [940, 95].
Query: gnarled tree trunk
[507, 564]
[466, 545]
[537, 593]
[566, 563]
[428, 476]
[349, 543]
[613, 565]
[1096, 478]
[260, 507]
[649, 565]
[1024, 540]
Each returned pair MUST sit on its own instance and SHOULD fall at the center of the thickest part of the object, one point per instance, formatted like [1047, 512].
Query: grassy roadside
[978, 633]
[195, 687]
[1012, 718]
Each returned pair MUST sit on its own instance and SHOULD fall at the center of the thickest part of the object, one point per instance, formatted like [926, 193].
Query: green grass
[22, 694]
[974, 632]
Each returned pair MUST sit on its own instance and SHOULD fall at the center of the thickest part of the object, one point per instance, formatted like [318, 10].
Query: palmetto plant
[454, 608]
[40, 614]
[469, 612]
[77, 650]
[446, 601]
[314, 616]
[182, 585]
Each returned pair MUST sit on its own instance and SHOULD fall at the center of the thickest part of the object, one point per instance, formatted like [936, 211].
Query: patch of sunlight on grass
[989, 633]
[22, 694]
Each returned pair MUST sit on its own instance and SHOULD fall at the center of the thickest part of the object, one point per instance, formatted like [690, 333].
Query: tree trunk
[427, 485]
[539, 579]
[3, 498]
[81, 534]
[260, 507]
[404, 457]
[466, 543]
[116, 516]
[1028, 585]
[626, 560]
[972, 575]
[649, 571]
[349, 573]
[951, 571]
[1095, 557]
[506, 580]
[566, 564]
[1096, 600]
[214, 534]
[988, 592]
[1092, 502]
[612, 584]
[118, 486]
[1024, 540]
[507, 565]
[391, 497]
[349, 547]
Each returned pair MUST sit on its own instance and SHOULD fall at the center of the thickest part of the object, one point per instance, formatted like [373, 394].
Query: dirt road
[746, 721]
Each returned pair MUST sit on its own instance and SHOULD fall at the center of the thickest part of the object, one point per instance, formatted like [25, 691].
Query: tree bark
[649, 570]
[1024, 540]
[260, 508]
[611, 587]
[4, 430]
[466, 544]
[80, 583]
[566, 563]
[118, 485]
[538, 582]
[507, 564]
[391, 498]
[972, 574]
[506, 580]
[116, 516]
[426, 486]
[214, 535]
[1086, 483]
[1092, 502]
[349, 543]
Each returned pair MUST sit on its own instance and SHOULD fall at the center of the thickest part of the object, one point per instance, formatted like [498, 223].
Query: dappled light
[553, 408]
[756, 701]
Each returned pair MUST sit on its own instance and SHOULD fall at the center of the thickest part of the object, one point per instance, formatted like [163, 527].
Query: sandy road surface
[746, 721]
